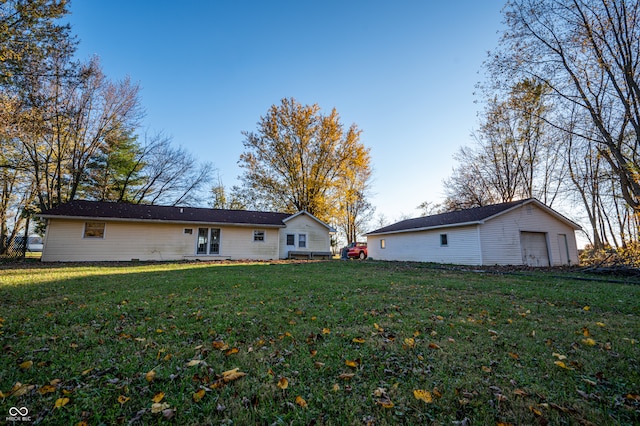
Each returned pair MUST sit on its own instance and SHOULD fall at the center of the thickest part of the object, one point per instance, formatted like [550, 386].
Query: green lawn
[316, 343]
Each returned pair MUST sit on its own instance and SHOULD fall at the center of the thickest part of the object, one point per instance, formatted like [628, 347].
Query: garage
[534, 248]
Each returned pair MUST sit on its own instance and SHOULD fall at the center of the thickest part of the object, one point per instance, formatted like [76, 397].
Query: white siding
[124, 241]
[237, 243]
[501, 236]
[318, 237]
[424, 246]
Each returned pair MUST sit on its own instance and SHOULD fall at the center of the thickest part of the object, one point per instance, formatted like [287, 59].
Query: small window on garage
[94, 230]
[291, 239]
[188, 231]
[258, 235]
[444, 241]
[383, 243]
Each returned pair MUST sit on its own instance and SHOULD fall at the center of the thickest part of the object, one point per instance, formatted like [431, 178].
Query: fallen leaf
[26, 365]
[283, 383]
[231, 375]
[43, 390]
[158, 407]
[301, 402]
[87, 371]
[378, 328]
[560, 357]
[410, 342]
[486, 369]
[587, 308]
[358, 340]
[352, 363]
[232, 351]
[158, 397]
[194, 362]
[535, 411]
[346, 376]
[336, 387]
[219, 344]
[514, 355]
[423, 395]
[434, 346]
[19, 389]
[150, 376]
[61, 402]
[326, 331]
[122, 399]
[589, 341]
[520, 392]
[197, 396]
[562, 365]
[318, 364]
[168, 413]
[600, 324]
[385, 402]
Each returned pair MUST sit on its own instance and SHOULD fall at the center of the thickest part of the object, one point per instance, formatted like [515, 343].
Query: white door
[563, 246]
[534, 248]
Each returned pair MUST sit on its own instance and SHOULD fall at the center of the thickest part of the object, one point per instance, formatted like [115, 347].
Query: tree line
[561, 120]
[67, 131]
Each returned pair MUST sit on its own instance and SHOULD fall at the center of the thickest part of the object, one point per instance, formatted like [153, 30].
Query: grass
[148, 344]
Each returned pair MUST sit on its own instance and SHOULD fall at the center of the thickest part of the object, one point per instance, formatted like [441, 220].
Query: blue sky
[403, 71]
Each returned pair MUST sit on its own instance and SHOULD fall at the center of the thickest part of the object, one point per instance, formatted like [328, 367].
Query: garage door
[534, 248]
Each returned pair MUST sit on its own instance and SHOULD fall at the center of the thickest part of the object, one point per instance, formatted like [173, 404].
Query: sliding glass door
[208, 241]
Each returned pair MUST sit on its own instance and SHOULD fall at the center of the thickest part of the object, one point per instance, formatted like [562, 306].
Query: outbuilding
[108, 231]
[525, 232]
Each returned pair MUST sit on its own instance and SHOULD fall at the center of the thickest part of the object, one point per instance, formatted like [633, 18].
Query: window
[208, 241]
[94, 229]
[302, 240]
[443, 240]
[188, 231]
[258, 235]
[291, 239]
[383, 243]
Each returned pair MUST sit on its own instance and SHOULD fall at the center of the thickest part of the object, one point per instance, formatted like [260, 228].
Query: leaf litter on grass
[398, 331]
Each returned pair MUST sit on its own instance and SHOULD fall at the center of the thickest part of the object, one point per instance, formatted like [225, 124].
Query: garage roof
[474, 215]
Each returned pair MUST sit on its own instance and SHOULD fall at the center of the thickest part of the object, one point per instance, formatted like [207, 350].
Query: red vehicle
[358, 250]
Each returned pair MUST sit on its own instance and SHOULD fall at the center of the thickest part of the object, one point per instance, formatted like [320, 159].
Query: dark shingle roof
[474, 215]
[137, 212]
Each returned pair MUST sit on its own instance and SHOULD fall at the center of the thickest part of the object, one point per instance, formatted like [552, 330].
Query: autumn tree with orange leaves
[302, 159]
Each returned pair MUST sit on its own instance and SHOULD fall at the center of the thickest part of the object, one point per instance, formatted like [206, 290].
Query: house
[525, 232]
[108, 231]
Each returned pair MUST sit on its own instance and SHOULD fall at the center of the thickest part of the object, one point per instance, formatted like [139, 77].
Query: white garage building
[525, 232]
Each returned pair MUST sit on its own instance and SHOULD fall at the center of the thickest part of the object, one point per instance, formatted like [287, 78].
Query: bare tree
[586, 52]
[167, 175]
[514, 155]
